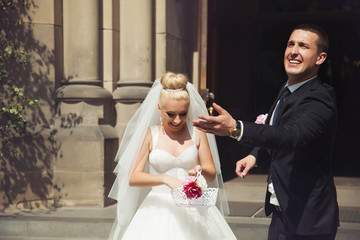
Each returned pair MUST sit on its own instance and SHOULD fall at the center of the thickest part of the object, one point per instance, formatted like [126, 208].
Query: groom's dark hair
[323, 42]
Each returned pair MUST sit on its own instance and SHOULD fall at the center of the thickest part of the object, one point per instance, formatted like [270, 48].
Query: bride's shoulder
[151, 131]
[148, 138]
[154, 128]
[199, 136]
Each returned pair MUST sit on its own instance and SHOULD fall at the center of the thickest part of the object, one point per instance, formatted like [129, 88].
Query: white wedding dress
[159, 218]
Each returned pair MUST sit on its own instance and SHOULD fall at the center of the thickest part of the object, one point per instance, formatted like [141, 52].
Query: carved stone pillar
[86, 141]
[136, 58]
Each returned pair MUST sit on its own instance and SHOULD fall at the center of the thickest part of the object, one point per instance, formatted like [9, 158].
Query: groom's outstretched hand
[219, 125]
[244, 165]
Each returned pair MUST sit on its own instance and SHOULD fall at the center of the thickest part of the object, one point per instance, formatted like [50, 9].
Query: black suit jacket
[299, 146]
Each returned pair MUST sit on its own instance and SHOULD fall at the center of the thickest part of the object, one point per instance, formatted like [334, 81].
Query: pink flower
[261, 119]
[191, 190]
[189, 180]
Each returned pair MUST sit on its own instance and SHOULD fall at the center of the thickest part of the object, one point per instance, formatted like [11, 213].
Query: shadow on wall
[27, 177]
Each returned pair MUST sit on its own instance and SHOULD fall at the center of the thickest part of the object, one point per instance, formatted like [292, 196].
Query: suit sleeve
[260, 154]
[302, 121]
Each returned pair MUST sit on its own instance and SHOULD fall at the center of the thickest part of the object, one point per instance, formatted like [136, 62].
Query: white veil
[130, 198]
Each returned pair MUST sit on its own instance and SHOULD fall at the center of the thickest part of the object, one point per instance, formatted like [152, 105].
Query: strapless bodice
[163, 162]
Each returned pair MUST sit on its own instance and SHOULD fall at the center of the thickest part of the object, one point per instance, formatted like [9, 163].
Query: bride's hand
[193, 172]
[172, 182]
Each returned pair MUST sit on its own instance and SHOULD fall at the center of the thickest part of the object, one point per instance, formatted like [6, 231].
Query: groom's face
[302, 58]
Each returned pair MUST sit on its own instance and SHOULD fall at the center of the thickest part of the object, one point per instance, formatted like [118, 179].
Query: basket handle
[198, 173]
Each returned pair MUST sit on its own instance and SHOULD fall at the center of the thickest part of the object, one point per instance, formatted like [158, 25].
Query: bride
[159, 150]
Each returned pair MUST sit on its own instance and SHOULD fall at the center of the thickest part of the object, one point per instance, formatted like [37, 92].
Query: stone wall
[91, 63]
[27, 178]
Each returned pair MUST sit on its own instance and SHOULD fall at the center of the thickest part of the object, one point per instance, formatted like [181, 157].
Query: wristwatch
[235, 132]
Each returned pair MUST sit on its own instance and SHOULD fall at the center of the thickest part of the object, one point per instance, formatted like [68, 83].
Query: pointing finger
[219, 109]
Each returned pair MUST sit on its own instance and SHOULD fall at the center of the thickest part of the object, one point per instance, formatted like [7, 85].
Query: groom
[297, 139]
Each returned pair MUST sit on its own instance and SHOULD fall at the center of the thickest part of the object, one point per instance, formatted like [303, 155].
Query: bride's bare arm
[205, 157]
[141, 179]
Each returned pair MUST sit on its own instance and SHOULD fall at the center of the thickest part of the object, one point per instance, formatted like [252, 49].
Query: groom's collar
[292, 88]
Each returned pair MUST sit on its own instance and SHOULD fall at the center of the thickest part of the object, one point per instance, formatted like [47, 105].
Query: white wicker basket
[207, 199]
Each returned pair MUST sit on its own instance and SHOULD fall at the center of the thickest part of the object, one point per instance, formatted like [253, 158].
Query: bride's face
[174, 113]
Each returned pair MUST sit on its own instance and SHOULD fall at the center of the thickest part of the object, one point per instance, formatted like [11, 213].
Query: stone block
[85, 155]
[27, 176]
[84, 165]
[38, 11]
[79, 188]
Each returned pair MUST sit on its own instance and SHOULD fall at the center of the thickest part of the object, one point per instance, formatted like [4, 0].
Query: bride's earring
[161, 121]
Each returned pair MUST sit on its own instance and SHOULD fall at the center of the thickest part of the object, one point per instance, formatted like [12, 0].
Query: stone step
[257, 228]
[61, 223]
[32, 228]
[95, 224]
[247, 219]
[243, 228]
[46, 238]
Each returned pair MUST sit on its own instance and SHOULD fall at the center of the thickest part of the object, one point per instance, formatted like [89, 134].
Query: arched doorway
[246, 41]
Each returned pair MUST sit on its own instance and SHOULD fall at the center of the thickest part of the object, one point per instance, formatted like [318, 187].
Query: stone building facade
[91, 63]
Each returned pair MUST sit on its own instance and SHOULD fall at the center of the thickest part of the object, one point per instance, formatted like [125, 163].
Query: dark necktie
[283, 97]
[285, 93]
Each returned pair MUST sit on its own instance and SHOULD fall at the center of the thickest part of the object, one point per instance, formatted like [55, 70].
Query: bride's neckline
[156, 142]
[176, 157]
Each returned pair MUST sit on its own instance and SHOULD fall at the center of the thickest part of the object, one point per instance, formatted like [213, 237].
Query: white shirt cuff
[242, 130]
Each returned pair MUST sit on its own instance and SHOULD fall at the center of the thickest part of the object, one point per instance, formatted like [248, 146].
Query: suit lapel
[297, 93]
[274, 105]
[280, 110]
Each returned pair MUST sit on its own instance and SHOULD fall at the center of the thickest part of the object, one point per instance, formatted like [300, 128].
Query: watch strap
[237, 124]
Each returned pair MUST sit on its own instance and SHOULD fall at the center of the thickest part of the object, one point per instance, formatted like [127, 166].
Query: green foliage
[13, 100]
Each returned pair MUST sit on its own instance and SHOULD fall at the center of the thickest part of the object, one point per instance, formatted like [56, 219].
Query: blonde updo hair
[174, 87]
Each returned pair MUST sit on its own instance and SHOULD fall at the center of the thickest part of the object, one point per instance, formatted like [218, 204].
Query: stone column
[111, 42]
[85, 139]
[176, 36]
[136, 58]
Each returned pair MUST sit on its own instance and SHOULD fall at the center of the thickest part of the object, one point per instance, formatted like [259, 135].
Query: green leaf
[18, 22]
[13, 111]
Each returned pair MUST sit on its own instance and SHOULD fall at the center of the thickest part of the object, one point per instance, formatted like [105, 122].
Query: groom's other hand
[244, 165]
[220, 125]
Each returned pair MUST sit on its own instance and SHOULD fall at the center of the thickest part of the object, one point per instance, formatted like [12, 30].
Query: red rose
[192, 191]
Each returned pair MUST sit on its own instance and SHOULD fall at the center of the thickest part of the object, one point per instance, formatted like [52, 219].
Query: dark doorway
[246, 42]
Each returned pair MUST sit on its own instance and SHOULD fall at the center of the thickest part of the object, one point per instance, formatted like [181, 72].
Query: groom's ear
[321, 58]
[159, 107]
